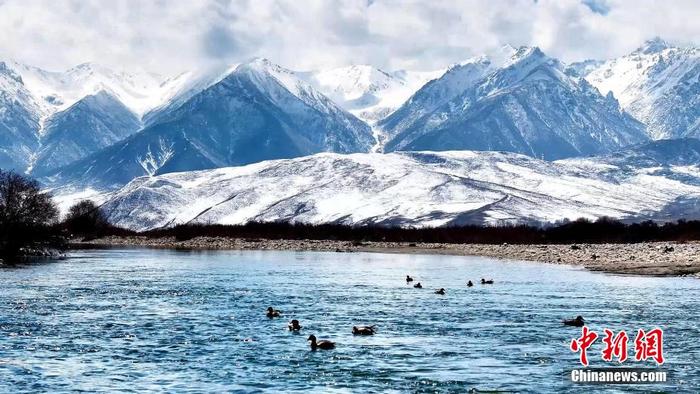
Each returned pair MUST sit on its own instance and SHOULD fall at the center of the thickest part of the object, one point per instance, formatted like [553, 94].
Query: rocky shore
[653, 258]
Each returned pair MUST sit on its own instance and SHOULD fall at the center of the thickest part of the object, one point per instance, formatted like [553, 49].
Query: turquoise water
[158, 320]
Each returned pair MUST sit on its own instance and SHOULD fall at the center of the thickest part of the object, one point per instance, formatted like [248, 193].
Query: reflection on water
[187, 321]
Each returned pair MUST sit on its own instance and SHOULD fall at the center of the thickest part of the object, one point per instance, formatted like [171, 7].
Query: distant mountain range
[93, 128]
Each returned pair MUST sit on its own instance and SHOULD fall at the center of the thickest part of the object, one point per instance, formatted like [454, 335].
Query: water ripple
[158, 320]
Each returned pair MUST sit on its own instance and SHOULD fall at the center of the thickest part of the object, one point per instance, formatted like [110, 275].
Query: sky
[170, 36]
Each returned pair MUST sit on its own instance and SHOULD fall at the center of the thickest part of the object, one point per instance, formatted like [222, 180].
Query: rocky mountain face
[659, 84]
[50, 119]
[260, 111]
[529, 105]
[436, 93]
[20, 118]
[93, 123]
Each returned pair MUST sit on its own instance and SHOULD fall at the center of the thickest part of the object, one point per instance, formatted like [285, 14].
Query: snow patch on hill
[411, 189]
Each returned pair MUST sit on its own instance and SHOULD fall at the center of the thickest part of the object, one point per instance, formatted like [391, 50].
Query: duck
[486, 282]
[273, 312]
[441, 291]
[409, 279]
[418, 286]
[470, 284]
[363, 330]
[577, 322]
[322, 344]
[294, 325]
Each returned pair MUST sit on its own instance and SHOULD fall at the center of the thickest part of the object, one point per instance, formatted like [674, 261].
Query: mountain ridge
[528, 105]
[659, 84]
[256, 112]
[516, 99]
[414, 189]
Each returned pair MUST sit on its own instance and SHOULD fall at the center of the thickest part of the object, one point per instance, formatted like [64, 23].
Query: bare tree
[85, 218]
[26, 213]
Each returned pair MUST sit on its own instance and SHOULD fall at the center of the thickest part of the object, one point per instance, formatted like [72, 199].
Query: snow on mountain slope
[175, 91]
[93, 123]
[410, 188]
[56, 91]
[366, 91]
[528, 105]
[260, 111]
[658, 84]
[455, 81]
[20, 121]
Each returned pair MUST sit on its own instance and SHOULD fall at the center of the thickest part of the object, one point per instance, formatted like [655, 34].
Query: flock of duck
[324, 344]
[294, 325]
[441, 291]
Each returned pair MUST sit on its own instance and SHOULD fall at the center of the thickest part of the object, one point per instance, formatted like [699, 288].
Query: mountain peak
[481, 59]
[526, 59]
[103, 95]
[7, 70]
[653, 45]
[86, 65]
[527, 52]
[89, 68]
[261, 64]
[259, 60]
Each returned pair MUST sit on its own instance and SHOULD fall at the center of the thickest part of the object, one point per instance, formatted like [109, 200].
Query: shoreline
[644, 259]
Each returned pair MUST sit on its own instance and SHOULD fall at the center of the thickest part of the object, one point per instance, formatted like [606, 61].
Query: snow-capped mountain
[54, 118]
[420, 189]
[178, 90]
[455, 81]
[93, 123]
[20, 118]
[659, 84]
[58, 90]
[92, 126]
[260, 111]
[366, 91]
[529, 105]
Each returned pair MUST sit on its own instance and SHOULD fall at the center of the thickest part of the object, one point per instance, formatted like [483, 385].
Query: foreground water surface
[140, 320]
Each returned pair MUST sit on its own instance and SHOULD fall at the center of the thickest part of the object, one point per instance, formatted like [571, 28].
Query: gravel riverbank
[653, 258]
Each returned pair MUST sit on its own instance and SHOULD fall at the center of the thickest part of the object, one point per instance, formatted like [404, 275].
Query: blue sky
[169, 36]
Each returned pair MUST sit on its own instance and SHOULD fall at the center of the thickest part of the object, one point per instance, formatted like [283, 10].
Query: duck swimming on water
[486, 282]
[409, 279]
[470, 284]
[363, 330]
[441, 291]
[271, 312]
[294, 325]
[322, 344]
[577, 322]
[418, 286]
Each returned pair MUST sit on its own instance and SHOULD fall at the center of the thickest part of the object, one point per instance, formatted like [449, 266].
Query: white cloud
[170, 36]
